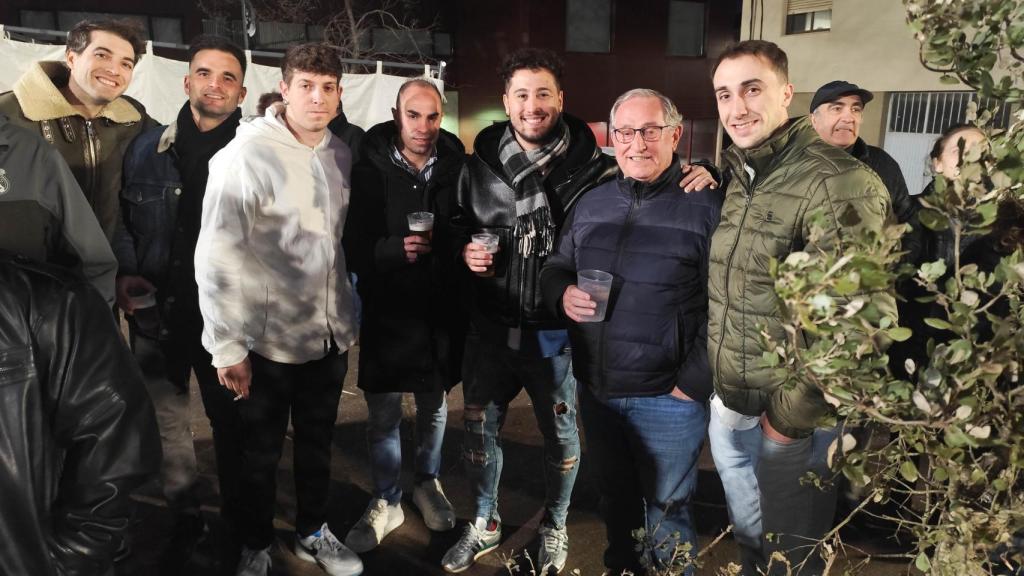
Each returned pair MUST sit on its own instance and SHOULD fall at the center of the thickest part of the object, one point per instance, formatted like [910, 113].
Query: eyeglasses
[648, 133]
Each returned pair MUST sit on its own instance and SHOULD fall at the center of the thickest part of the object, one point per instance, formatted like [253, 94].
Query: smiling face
[101, 72]
[752, 99]
[313, 101]
[533, 103]
[838, 122]
[418, 118]
[639, 159]
[214, 84]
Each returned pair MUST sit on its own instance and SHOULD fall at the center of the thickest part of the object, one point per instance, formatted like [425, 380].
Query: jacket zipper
[627, 228]
[747, 196]
[90, 136]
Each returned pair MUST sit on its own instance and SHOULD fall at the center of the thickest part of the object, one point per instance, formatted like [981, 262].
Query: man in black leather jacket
[76, 424]
[523, 178]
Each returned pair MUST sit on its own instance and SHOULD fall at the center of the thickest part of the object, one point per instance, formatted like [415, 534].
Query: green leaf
[909, 471]
[923, 563]
[933, 219]
[899, 334]
[938, 324]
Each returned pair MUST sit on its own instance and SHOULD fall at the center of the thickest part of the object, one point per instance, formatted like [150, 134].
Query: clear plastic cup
[421, 223]
[598, 285]
[487, 240]
[146, 314]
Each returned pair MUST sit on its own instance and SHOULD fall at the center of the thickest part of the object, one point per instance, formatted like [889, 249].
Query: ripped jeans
[492, 377]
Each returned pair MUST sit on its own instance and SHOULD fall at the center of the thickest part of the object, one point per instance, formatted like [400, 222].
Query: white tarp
[159, 83]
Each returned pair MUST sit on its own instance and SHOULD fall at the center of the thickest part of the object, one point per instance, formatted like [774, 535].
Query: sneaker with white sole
[379, 519]
[254, 562]
[331, 555]
[478, 538]
[554, 549]
[429, 499]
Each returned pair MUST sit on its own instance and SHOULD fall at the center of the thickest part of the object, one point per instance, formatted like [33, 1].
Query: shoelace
[326, 541]
[555, 539]
[375, 513]
[470, 538]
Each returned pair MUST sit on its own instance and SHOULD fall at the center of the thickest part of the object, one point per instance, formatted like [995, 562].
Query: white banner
[159, 83]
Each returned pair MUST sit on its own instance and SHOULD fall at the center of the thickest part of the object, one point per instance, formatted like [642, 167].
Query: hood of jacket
[40, 98]
[272, 126]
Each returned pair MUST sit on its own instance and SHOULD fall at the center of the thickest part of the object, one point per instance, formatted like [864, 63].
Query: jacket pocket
[145, 206]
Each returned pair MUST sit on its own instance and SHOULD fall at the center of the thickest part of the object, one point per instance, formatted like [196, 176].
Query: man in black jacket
[165, 174]
[523, 178]
[837, 110]
[411, 332]
[77, 427]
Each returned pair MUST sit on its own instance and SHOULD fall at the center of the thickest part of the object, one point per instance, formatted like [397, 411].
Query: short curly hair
[81, 34]
[313, 57]
[531, 59]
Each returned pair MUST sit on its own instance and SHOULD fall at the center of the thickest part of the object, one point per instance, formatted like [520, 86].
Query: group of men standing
[246, 229]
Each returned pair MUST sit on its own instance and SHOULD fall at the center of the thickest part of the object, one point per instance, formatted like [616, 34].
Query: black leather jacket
[486, 203]
[77, 428]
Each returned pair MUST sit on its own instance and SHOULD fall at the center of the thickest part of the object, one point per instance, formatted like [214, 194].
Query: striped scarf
[534, 227]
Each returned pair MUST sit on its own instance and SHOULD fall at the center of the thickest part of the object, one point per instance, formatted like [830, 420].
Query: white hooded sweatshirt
[269, 264]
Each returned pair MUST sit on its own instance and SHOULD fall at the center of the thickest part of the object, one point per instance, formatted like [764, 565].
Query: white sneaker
[429, 499]
[554, 549]
[254, 562]
[377, 522]
[331, 555]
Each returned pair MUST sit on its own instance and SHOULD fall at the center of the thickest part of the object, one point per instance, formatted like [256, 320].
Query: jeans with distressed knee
[492, 377]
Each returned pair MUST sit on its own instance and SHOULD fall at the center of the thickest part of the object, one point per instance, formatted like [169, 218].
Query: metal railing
[435, 70]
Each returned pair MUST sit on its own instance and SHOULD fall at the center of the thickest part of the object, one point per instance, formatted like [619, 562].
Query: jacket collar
[859, 150]
[40, 99]
[794, 133]
[377, 144]
[167, 137]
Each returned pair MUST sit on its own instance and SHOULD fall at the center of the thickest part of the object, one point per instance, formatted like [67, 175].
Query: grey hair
[668, 109]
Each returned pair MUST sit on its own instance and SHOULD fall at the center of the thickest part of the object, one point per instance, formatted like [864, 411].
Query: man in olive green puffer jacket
[764, 436]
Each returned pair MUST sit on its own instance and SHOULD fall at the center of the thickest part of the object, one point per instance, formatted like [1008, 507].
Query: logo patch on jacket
[5, 184]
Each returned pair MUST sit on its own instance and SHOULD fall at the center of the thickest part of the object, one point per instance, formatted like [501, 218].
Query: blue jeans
[645, 452]
[492, 377]
[382, 437]
[763, 493]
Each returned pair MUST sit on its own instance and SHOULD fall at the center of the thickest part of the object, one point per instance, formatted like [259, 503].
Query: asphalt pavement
[412, 549]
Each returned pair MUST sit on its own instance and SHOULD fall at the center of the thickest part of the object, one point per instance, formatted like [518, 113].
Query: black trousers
[309, 393]
[175, 359]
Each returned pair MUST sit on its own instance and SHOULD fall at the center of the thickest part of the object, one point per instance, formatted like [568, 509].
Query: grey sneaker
[331, 555]
[377, 522]
[435, 508]
[479, 538]
[254, 562]
[554, 549]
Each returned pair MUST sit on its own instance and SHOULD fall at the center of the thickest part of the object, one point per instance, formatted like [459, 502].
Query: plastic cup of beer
[598, 285]
[421, 223]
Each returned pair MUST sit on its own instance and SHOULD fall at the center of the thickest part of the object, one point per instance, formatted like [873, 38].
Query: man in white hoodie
[276, 302]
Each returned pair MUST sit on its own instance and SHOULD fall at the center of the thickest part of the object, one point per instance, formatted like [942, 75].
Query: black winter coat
[486, 203]
[76, 425]
[904, 207]
[654, 240]
[413, 327]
